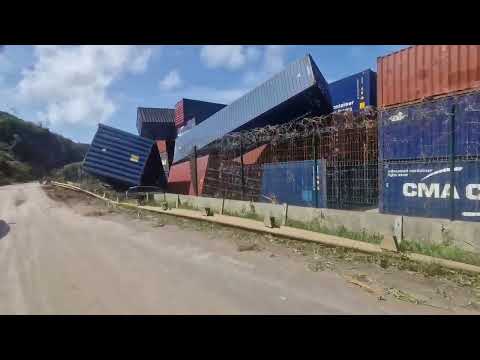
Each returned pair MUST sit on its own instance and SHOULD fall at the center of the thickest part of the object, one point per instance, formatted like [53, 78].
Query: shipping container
[255, 156]
[423, 130]
[186, 127]
[123, 159]
[299, 90]
[294, 183]
[156, 123]
[424, 71]
[355, 92]
[166, 147]
[180, 177]
[423, 189]
[194, 111]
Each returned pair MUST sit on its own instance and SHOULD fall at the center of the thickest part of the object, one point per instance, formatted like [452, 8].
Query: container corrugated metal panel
[179, 114]
[293, 183]
[253, 156]
[297, 90]
[156, 123]
[124, 159]
[423, 189]
[355, 92]
[187, 109]
[187, 126]
[422, 130]
[425, 71]
[180, 181]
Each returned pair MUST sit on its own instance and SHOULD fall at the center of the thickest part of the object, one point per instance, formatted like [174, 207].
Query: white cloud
[171, 81]
[273, 61]
[70, 83]
[230, 57]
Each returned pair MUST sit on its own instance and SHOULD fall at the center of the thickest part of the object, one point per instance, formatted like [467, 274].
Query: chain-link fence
[327, 161]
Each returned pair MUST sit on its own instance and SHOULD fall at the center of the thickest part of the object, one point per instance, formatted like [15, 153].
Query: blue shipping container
[293, 183]
[423, 189]
[156, 123]
[123, 159]
[355, 92]
[298, 90]
[422, 130]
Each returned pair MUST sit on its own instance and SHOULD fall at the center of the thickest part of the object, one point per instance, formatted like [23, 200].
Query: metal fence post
[193, 168]
[451, 143]
[242, 174]
[315, 174]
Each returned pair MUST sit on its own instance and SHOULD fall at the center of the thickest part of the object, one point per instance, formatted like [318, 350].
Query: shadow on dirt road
[4, 229]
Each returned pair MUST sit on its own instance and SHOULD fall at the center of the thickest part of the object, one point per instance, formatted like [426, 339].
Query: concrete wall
[463, 234]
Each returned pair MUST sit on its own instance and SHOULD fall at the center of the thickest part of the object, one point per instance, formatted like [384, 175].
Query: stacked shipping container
[194, 111]
[159, 125]
[429, 135]
[355, 92]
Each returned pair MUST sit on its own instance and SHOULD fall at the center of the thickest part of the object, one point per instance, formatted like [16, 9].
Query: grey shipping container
[298, 90]
[123, 159]
[156, 123]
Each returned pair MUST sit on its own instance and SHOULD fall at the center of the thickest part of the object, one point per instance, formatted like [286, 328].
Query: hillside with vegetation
[29, 151]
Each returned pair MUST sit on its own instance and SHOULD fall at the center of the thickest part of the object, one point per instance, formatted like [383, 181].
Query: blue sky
[71, 89]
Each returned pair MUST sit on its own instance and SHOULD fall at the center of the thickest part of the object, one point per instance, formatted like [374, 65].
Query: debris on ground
[361, 280]
[247, 247]
[404, 296]
[95, 213]
[315, 267]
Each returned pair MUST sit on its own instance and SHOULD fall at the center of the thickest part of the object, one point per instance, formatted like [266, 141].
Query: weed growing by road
[449, 252]
[340, 231]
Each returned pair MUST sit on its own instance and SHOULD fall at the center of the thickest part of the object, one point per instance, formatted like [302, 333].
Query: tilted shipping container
[196, 110]
[423, 189]
[355, 92]
[422, 130]
[424, 71]
[123, 159]
[298, 90]
[156, 123]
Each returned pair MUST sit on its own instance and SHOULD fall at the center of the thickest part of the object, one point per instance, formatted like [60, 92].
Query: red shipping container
[179, 177]
[179, 114]
[254, 156]
[427, 71]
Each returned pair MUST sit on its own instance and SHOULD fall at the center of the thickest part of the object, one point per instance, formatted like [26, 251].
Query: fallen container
[123, 159]
[297, 91]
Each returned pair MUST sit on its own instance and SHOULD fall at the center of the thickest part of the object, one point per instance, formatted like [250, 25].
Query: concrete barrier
[465, 235]
[283, 231]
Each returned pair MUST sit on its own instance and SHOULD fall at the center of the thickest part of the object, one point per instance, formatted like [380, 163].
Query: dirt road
[56, 260]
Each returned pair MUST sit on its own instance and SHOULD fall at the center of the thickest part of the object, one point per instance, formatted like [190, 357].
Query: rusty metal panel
[180, 177]
[427, 71]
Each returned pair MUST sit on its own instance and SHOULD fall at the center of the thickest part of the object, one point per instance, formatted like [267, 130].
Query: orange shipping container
[427, 71]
